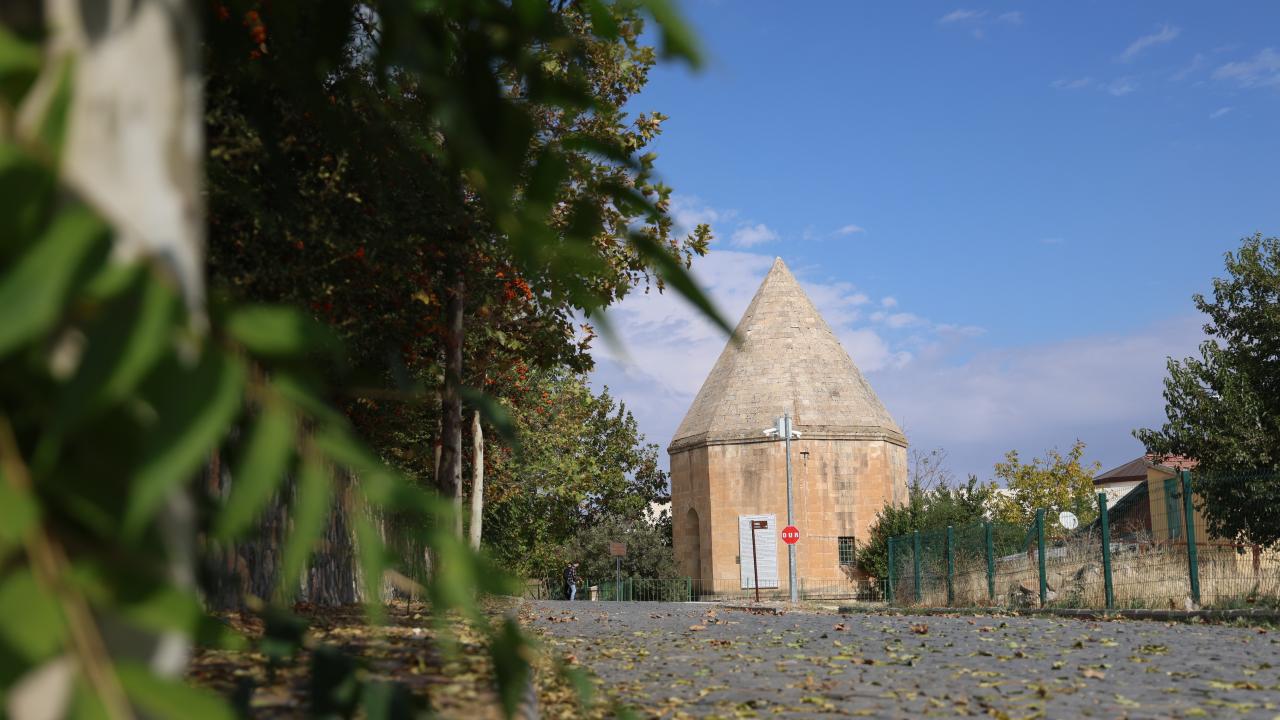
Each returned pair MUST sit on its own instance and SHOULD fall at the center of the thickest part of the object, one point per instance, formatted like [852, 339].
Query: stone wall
[838, 487]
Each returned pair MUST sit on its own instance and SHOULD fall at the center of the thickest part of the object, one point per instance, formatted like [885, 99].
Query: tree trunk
[332, 578]
[449, 470]
[133, 150]
[224, 579]
[477, 479]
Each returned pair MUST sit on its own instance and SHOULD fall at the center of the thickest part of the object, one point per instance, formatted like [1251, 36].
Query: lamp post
[784, 431]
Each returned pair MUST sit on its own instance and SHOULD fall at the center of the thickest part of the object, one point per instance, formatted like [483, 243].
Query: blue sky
[1002, 209]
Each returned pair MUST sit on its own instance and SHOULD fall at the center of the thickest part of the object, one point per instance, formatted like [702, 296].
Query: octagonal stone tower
[850, 460]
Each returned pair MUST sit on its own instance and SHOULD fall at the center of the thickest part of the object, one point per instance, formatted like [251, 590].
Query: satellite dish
[1068, 520]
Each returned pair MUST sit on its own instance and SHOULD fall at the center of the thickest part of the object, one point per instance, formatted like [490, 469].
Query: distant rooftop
[1136, 469]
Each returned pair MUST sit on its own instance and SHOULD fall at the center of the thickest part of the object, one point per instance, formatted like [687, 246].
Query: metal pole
[888, 589]
[1106, 551]
[951, 568]
[991, 564]
[916, 540]
[617, 578]
[1193, 560]
[755, 565]
[791, 547]
[1044, 578]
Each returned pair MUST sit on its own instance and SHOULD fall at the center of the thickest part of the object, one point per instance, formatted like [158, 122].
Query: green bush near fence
[1163, 566]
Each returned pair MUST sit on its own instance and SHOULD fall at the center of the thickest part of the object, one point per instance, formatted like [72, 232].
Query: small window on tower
[846, 551]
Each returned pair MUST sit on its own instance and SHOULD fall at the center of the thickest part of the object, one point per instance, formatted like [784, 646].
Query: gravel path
[696, 660]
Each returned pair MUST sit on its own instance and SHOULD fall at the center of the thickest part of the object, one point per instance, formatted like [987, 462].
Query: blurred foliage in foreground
[115, 395]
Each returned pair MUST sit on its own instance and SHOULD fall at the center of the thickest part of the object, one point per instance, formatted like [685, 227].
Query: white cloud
[688, 211]
[850, 229]
[1031, 398]
[1197, 62]
[1013, 18]
[901, 320]
[668, 347]
[961, 15]
[1121, 86]
[889, 301]
[1219, 113]
[751, 235]
[1075, 84]
[941, 386]
[1261, 70]
[1166, 34]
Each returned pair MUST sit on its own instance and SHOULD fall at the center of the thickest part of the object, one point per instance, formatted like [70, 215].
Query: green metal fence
[1149, 550]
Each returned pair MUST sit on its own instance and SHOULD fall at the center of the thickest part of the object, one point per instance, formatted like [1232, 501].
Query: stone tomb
[850, 460]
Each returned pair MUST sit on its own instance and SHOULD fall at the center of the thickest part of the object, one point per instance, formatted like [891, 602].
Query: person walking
[571, 580]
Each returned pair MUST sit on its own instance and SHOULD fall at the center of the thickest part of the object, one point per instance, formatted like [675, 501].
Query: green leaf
[53, 126]
[124, 344]
[580, 681]
[334, 686]
[378, 481]
[493, 413]
[163, 697]
[26, 189]
[454, 570]
[509, 651]
[149, 602]
[18, 514]
[31, 622]
[304, 391]
[678, 40]
[373, 563]
[19, 66]
[673, 273]
[85, 703]
[35, 290]
[194, 408]
[388, 701]
[310, 510]
[260, 471]
[279, 331]
[603, 25]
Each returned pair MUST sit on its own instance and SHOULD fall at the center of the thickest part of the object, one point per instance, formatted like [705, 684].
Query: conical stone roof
[788, 361]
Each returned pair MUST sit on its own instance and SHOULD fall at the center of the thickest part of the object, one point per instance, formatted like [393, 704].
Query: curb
[757, 609]
[1265, 615]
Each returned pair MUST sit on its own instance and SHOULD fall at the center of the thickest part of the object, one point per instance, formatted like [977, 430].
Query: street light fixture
[783, 430]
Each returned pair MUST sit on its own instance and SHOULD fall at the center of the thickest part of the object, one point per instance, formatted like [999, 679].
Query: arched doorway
[693, 546]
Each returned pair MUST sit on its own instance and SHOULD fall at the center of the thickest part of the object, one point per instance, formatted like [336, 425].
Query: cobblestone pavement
[697, 660]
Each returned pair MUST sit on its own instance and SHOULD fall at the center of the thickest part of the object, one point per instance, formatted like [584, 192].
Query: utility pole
[791, 547]
[783, 430]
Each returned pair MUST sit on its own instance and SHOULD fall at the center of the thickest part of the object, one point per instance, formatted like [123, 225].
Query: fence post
[1193, 560]
[991, 564]
[1106, 550]
[888, 588]
[951, 568]
[1044, 578]
[916, 541]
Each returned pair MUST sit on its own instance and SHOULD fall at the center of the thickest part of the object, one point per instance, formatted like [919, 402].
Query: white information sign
[766, 551]
[1068, 520]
